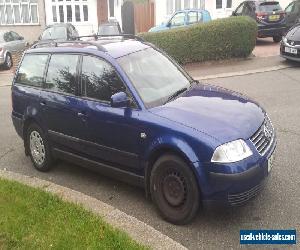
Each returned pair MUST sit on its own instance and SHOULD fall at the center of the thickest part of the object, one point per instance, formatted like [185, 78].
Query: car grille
[240, 198]
[293, 43]
[263, 137]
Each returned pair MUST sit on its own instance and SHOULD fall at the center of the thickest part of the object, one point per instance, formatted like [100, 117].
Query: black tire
[8, 63]
[277, 39]
[174, 189]
[45, 164]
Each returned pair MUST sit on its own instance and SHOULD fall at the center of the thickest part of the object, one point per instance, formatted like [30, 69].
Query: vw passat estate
[122, 107]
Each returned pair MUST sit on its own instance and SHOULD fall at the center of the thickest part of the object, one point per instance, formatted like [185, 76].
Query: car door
[194, 17]
[61, 106]
[179, 19]
[292, 14]
[114, 134]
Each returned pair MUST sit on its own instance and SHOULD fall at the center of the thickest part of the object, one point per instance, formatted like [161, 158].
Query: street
[276, 207]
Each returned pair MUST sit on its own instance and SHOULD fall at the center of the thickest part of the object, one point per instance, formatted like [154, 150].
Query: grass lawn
[33, 219]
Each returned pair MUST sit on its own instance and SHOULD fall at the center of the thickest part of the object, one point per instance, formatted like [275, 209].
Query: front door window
[178, 19]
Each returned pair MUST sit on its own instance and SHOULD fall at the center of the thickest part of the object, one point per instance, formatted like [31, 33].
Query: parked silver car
[10, 42]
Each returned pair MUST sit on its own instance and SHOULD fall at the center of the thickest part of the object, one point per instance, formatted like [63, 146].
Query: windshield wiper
[177, 93]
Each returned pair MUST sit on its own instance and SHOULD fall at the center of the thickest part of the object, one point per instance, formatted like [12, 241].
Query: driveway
[276, 207]
[265, 47]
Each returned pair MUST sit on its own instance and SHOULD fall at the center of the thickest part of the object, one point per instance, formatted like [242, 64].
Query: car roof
[115, 47]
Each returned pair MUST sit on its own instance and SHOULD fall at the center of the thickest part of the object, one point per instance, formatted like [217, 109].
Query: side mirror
[233, 13]
[168, 25]
[119, 100]
[21, 38]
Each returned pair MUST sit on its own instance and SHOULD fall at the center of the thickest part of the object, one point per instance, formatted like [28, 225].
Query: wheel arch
[158, 152]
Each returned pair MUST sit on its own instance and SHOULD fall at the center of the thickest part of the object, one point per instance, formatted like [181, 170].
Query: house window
[219, 4]
[61, 13]
[229, 4]
[71, 11]
[77, 13]
[18, 12]
[54, 14]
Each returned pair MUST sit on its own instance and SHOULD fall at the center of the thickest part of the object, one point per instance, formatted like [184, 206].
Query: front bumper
[293, 57]
[239, 186]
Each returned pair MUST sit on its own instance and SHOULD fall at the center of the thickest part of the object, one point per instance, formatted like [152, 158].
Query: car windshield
[108, 30]
[154, 76]
[54, 33]
[269, 7]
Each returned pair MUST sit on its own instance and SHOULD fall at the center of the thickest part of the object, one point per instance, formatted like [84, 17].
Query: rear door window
[269, 7]
[192, 17]
[31, 71]
[99, 79]
[61, 75]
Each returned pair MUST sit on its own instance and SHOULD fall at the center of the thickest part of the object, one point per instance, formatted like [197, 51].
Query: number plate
[290, 50]
[270, 163]
[274, 17]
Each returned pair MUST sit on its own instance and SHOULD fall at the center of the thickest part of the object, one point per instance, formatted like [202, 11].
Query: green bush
[215, 40]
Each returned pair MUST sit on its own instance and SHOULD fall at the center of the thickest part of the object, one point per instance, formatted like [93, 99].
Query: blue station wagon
[184, 18]
[124, 108]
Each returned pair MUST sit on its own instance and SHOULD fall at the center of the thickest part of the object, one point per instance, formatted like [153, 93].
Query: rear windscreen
[269, 7]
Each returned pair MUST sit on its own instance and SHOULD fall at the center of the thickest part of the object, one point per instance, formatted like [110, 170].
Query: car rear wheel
[39, 149]
[8, 63]
[174, 189]
[276, 39]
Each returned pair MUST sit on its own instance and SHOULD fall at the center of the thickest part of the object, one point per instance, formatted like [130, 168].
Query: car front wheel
[8, 61]
[276, 39]
[174, 189]
[39, 149]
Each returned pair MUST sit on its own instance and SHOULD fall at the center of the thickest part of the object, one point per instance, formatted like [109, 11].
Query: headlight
[284, 39]
[231, 152]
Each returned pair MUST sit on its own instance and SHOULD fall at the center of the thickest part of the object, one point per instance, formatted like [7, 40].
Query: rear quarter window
[31, 71]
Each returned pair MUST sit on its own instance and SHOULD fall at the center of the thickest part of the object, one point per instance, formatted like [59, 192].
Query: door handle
[42, 103]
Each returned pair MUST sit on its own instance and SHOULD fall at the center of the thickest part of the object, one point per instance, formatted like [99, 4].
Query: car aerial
[269, 16]
[109, 28]
[10, 42]
[290, 44]
[60, 32]
[127, 110]
[292, 13]
[184, 18]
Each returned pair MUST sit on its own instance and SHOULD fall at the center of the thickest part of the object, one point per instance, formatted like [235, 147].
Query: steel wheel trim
[37, 147]
[174, 189]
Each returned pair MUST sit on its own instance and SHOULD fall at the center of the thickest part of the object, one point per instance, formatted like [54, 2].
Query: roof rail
[129, 36]
[57, 43]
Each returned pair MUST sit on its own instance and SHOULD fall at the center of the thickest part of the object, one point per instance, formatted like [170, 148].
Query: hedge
[215, 40]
